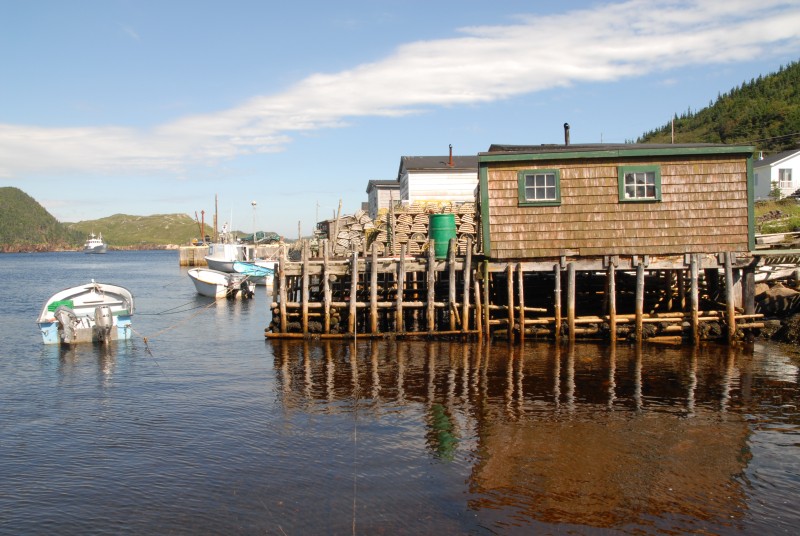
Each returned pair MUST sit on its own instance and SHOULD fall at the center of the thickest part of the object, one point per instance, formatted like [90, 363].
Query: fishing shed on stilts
[618, 240]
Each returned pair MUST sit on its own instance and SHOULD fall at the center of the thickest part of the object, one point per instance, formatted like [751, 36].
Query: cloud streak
[483, 64]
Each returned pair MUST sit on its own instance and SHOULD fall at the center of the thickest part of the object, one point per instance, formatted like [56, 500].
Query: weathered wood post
[557, 300]
[352, 324]
[510, 300]
[430, 322]
[401, 279]
[305, 293]
[451, 274]
[694, 297]
[639, 299]
[478, 311]
[373, 290]
[465, 293]
[521, 299]
[486, 301]
[284, 296]
[612, 302]
[326, 288]
[730, 299]
[571, 300]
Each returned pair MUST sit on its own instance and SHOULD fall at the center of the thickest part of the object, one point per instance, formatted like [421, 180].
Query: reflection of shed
[590, 200]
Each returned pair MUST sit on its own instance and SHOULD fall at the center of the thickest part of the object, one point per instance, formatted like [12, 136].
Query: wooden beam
[430, 316]
[326, 287]
[451, 274]
[284, 297]
[399, 326]
[304, 296]
[352, 325]
[373, 290]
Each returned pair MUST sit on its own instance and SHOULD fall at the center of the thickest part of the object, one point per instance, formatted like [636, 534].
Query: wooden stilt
[326, 288]
[730, 298]
[352, 325]
[612, 302]
[749, 290]
[451, 274]
[430, 315]
[284, 297]
[304, 294]
[681, 290]
[571, 300]
[401, 280]
[521, 300]
[486, 312]
[373, 290]
[478, 312]
[694, 298]
[510, 297]
[557, 301]
[639, 299]
[465, 292]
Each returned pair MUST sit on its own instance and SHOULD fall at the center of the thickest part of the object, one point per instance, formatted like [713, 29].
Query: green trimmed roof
[498, 153]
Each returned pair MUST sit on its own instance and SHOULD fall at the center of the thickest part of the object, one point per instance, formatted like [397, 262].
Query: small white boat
[221, 256]
[216, 284]
[94, 312]
[260, 272]
[95, 244]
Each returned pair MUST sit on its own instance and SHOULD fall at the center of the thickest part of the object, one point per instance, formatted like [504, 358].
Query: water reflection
[588, 435]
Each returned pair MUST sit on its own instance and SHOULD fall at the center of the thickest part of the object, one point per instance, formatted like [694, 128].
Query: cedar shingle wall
[703, 209]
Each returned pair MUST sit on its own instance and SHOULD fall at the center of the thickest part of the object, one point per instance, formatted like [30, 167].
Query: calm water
[206, 428]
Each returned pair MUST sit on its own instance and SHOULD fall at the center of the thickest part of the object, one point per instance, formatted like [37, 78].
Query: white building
[438, 178]
[781, 170]
[381, 194]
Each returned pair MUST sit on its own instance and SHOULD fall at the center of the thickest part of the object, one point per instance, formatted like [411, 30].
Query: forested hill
[764, 112]
[26, 226]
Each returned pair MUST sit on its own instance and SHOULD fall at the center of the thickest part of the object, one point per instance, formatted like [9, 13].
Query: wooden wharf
[666, 299]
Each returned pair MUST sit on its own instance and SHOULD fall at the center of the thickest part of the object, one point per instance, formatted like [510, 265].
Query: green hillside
[26, 226]
[764, 112]
[124, 231]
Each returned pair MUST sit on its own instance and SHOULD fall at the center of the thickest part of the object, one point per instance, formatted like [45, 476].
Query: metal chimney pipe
[450, 162]
[566, 133]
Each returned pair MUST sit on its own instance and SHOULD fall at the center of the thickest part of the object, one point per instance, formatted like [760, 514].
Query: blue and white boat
[94, 312]
[95, 244]
[260, 272]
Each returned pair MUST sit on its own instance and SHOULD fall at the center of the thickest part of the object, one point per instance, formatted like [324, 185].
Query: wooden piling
[478, 311]
[510, 298]
[352, 324]
[373, 290]
[401, 279]
[612, 302]
[326, 288]
[430, 313]
[486, 312]
[305, 293]
[557, 300]
[467, 273]
[730, 298]
[571, 300]
[284, 296]
[639, 299]
[451, 274]
[521, 300]
[694, 297]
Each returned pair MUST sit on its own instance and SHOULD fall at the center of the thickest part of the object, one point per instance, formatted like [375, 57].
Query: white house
[438, 178]
[781, 170]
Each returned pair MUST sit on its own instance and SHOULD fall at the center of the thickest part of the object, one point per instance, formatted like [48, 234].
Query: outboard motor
[247, 290]
[67, 321]
[103, 323]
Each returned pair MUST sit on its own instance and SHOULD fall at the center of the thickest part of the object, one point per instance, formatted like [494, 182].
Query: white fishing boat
[94, 312]
[260, 272]
[95, 244]
[216, 284]
[221, 256]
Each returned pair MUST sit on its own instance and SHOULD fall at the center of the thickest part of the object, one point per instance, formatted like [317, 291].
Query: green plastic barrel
[441, 228]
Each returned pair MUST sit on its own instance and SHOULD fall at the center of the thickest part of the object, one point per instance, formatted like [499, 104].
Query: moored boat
[95, 244]
[94, 312]
[216, 284]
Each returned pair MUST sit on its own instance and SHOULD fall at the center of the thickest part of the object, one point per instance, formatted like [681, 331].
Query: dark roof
[386, 185]
[562, 148]
[768, 161]
[437, 163]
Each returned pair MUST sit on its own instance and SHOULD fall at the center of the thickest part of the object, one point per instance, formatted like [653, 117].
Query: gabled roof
[774, 159]
[437, 163]
[385, 185]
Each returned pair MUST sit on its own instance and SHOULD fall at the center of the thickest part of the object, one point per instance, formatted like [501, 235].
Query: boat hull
[216, 284]
[259, 272]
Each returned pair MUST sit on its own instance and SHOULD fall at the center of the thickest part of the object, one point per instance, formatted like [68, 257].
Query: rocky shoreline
[779, 302]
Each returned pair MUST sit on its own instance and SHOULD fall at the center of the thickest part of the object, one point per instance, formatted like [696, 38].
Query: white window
[540, 187]
[785, 178]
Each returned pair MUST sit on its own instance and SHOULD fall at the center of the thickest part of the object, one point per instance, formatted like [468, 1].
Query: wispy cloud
[484, 64]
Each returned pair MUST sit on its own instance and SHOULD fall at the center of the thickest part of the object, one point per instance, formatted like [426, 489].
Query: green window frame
[539, 187]
[639, 184]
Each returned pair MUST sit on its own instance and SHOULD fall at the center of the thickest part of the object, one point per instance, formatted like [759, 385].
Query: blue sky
[149, 107]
